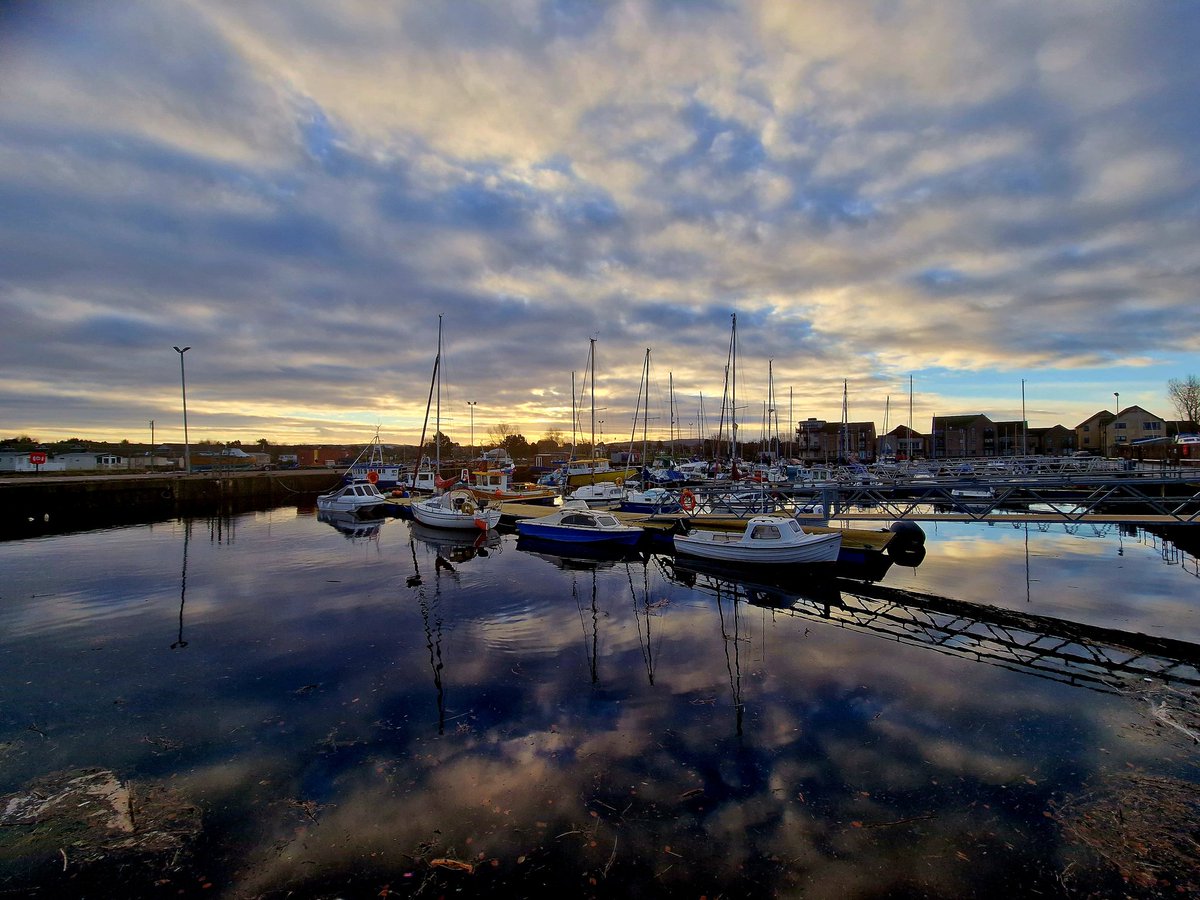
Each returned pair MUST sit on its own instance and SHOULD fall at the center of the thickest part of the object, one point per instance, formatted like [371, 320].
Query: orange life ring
[497, 493]
[687, 500]
[372, 476]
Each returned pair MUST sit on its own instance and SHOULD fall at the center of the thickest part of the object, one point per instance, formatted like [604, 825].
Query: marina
[285, 692]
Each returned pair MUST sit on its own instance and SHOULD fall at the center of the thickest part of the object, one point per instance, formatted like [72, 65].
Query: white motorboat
[600, 495]
[458, 508]
[655, 501]
[767, 540]
[352, 497]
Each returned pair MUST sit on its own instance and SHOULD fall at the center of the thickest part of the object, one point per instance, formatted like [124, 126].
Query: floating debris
[1147, 829]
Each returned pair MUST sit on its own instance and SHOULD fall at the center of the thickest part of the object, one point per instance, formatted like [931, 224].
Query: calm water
[388, 713]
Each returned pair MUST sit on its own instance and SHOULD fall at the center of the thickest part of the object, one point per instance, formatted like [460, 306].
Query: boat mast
[733, 427]
[645, 410]
[437, 362]
[592, 363]
[845, 426]
[887, 406]
[437, 434]
[671, 398]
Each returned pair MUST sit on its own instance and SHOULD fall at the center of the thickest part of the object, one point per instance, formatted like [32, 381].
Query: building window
[1087, 427]
[1120, 426]
[1152, 426]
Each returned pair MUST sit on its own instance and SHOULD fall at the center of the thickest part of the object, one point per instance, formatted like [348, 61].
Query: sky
[997, 204]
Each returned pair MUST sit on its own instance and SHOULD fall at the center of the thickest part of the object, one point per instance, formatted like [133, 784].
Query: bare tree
[1184, 394]
[499, 432]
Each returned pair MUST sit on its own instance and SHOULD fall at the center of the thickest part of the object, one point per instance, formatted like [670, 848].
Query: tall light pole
[1116, 413]
[187, 450]
[1024, 424]
[472, 404]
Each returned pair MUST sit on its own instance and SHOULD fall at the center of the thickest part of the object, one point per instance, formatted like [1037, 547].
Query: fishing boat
[575, 523]
[352, 497]
[370, 466]
[600, 495]
[494, 484]
[767, 540]
[456, 508]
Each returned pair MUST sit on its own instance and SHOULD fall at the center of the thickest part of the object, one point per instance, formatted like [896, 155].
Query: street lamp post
[187, 450]
[472, 404]
[1116, 413]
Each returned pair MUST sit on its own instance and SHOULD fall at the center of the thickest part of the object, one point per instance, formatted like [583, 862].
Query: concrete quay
[50, 504]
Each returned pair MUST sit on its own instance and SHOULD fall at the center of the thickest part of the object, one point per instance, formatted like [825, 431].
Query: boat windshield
[606, 521]
[765, 533]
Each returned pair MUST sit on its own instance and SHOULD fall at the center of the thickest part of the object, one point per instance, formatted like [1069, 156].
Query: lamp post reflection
[180, 643]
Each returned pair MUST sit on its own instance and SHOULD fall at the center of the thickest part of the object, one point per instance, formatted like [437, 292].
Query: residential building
[969, 435]
[1013, 438]
[1057, 440]
[902, 442]
[1092, 433]
[1133, 424]
[833, 441]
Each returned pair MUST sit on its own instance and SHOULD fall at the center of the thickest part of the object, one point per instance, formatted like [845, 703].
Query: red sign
[37, 458]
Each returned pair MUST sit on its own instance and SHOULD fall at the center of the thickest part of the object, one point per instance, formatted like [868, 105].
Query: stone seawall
[43, 505]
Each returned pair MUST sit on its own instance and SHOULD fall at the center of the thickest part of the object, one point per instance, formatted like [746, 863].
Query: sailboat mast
[437, 432]
[733, 399]
[646, 407]
[671, 397]
[592, 362]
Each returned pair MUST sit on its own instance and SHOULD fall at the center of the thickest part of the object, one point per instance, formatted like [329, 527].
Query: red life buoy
[687, 500]
[481, 524]
[372, 476]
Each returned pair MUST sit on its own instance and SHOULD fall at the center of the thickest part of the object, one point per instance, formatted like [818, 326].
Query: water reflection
[352, 724]
[353, 526]
[1076, 653]
[180, 643]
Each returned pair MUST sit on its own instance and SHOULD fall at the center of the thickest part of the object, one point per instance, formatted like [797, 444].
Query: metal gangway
[1103, 659]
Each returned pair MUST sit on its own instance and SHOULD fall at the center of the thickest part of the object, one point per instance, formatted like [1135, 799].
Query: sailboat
[589, 471]
[457, 507]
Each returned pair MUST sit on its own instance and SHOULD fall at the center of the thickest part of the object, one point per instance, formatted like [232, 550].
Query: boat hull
[576, 479]
[820, 548]
[564, 534]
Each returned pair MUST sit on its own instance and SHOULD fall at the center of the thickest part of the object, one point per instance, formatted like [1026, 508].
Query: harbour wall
[30, 507]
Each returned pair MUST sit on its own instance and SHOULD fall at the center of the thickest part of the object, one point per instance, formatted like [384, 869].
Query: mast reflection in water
[365, 707]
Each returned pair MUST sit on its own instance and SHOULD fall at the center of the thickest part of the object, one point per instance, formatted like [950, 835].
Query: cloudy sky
[968, 194]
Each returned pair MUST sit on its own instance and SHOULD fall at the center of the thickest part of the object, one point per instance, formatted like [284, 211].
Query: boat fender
[910, 555]
[497, 493]
[481, 524]
[911, 533]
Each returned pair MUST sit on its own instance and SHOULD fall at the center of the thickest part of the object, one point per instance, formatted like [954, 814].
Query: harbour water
[382, 710]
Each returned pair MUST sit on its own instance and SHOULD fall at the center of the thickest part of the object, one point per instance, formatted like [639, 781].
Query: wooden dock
[867, 540]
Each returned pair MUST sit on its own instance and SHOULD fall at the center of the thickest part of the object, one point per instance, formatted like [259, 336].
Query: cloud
[298, 191]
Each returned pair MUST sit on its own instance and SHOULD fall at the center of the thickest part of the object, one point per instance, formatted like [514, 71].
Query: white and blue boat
[575, 523]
